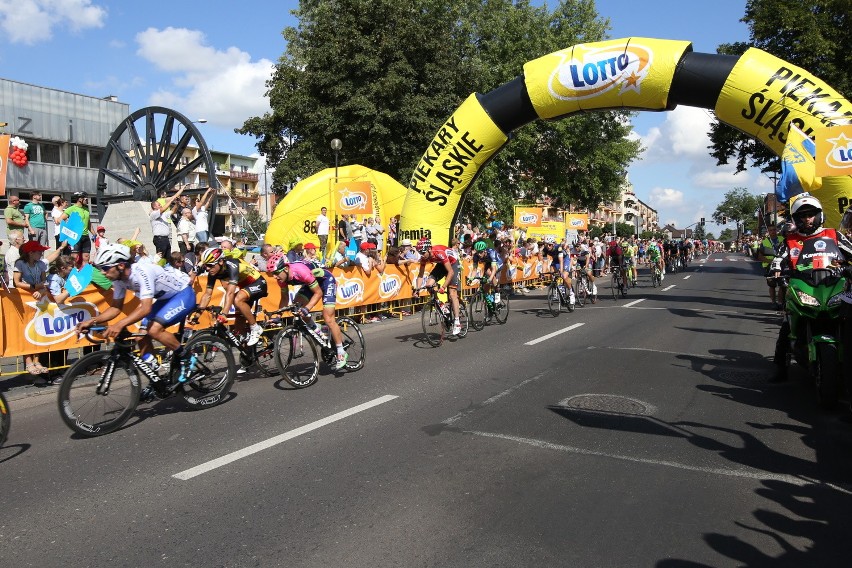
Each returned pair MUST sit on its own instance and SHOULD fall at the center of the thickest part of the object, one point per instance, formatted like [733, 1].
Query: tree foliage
[738, 206]
[815, 35]
[383, 75]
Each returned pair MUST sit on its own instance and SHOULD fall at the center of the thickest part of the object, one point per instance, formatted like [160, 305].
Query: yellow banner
[577, 221]
[834, 151]
[462, 145]
[4, 161]
[528, 216]
[763, 94]
[554, 229]
[354, 197]
[632, 72]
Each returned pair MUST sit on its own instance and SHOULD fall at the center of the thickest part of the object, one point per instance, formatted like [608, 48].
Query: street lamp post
[336, 145]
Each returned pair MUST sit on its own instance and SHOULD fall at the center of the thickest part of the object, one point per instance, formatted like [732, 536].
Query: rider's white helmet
[112, 254]
[807, 204]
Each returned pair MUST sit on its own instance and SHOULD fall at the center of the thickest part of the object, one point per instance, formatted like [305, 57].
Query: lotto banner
[4, 161]
[834, 151]
[577, 221]
[528, 216]
[555, 229]
[354, 198]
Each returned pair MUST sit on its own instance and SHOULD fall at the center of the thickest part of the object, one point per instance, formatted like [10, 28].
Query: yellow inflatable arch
[755, 92]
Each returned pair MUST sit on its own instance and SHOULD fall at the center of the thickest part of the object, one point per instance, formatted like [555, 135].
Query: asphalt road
[636, 432]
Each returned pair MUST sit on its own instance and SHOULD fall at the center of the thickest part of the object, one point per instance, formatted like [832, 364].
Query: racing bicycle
[656, 275]
[558, 295]
[261, 354]
[100, 391]
[482, 308]
[619, 283]
[437, 316]
[583, 287]
[298, 348]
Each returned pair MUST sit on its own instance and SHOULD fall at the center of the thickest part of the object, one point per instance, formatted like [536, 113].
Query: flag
[798, 168]
[4, 161]
[834, 150]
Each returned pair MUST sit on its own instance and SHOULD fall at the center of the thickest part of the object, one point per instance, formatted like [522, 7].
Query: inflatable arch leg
[757, 93]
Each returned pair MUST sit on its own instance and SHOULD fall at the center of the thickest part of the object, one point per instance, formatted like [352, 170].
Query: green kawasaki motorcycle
[811, 330]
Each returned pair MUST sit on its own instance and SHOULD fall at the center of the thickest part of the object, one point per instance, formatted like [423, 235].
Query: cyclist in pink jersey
[315, 285]
[446, 265]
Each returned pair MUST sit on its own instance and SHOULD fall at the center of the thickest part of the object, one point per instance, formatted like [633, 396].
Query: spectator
[374, 233]
[296, 252]
[178, 263]
[186, 231]
[160, 225]
[261, 261]
[393, 228]
[192, 257]
[343, 230]
[357, 231]
[83, 248]
[322, 232]
[340, 259]
[15, 220]
[310, 256]
[408, 252]
[30, 274]
[36, 219]
[56, 213]
[56, 276]
[202, 217]
[229, 247]
[100, 237]
[16, 239]
[362, 260]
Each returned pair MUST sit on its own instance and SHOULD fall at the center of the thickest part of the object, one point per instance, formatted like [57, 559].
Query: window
[48, 153]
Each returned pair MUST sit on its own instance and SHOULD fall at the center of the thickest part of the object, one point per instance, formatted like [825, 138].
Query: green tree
[375, 75]
[815, 35]
[727, 235]
[255, 223]
[737, 206]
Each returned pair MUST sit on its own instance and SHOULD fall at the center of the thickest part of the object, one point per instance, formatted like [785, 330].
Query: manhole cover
[608, 403]
[741, 377]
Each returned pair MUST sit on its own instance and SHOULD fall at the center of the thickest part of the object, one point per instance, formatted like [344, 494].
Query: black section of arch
[509, 105]
[699, 78]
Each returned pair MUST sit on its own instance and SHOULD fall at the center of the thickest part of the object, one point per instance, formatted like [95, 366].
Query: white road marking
[687, 277]
[633, 303]
[718, 259]
[554, 334]
[746, 473]
[275, 440]
[452, 419]
[667, 288]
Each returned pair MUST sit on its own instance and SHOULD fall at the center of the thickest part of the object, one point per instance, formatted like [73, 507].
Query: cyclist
[629, 250]
[315, 285]
[446, 267]
[584, 262]
[615, 255]
[559, 263]
[165, 298]
[244, 285]
[655, 258]
[488, 257]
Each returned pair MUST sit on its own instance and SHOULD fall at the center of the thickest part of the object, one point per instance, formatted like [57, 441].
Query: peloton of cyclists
[447, 267]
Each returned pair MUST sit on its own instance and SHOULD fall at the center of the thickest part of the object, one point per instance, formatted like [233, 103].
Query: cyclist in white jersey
[165, 297]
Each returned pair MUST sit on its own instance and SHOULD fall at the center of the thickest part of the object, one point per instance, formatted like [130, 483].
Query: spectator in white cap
[186, 231]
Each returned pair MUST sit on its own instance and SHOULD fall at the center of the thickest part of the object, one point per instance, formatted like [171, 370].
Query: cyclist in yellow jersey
[244, 285]
[630, 251]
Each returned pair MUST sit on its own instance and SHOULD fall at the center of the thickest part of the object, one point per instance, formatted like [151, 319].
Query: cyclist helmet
[272, 263]
[807, 204]
[78, 194]
[549, 240]
[111, 255]
[211, 256]
[479, 246]
[280, 265]
[424, 245]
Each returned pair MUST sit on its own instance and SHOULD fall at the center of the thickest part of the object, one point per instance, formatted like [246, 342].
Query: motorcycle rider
[809, 246]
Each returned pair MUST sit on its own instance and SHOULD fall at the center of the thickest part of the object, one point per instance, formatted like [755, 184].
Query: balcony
[241, 175]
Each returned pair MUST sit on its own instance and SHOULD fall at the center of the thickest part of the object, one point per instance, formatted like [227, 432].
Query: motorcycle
[811, 332]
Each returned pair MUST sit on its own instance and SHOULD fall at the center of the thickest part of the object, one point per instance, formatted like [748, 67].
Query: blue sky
[210, 60]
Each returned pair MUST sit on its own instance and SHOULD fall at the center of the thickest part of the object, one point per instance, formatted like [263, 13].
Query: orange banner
[577, 221]
[528, 216]
[4, 161]
[31, 327]
[354, 197]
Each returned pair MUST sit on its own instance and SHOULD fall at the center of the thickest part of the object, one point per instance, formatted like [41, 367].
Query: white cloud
[33, 21]
[666, 198]
[225, 87]
[683, 135]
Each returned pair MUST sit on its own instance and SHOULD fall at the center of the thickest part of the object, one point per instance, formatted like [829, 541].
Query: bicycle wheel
[211, 370]
[5, 419]
[432, 320]
[477, 310]
[297, 358]
[264, 355]
[463, 319]
[85, 407]
[581, 291]
[614, 286]
[501, 308]
[554, 300]
[353, 343]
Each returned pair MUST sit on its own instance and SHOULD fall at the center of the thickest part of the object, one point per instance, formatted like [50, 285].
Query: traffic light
[724, 219]
[702, 221]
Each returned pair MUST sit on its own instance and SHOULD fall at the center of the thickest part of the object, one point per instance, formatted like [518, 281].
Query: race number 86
[310, 227]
